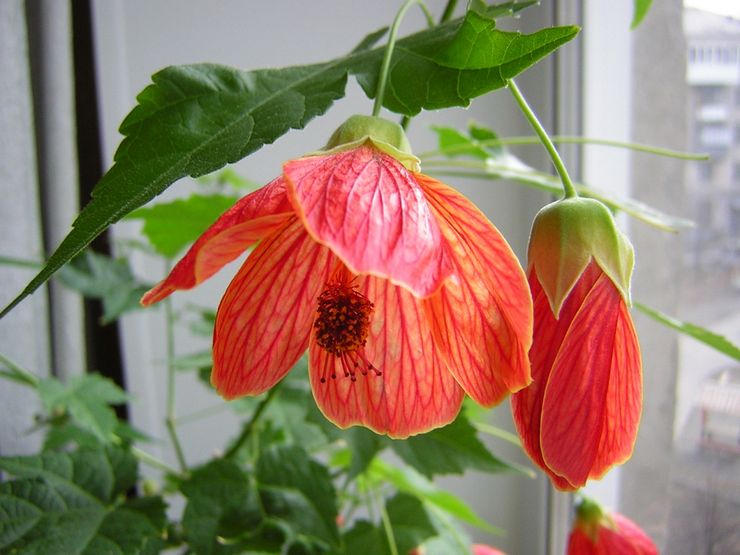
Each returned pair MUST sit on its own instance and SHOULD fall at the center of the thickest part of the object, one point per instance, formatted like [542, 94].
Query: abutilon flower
[581, 413]
[596, 532]
[404, 293]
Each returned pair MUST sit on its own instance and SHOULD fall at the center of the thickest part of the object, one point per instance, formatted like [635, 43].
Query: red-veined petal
[368, 209]
[265, 316]
[484, 321]
[253, 217]
[592, 400]
[415, 392]
[627, 533]
[526, 405]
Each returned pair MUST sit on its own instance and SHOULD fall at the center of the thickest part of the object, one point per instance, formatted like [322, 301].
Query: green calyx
[566, 236]
[386, 135]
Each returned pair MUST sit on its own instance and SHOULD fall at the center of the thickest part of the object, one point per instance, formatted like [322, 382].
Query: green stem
[202, 413]
[170, 418]
[152, 461]
[568, 139]
[18, 373]
[249, 426]
[449, 10]
[387, 527]
[385, 65]
[20, 262]
[568, 188]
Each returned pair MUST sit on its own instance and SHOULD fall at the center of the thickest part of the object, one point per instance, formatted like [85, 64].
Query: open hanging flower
[404, 293]
[596, 532]
[581, 413]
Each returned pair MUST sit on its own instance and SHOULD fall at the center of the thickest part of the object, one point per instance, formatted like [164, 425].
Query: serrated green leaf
[195, 119]
[641, 9]
[408, 480]
[715, 341]
[68, 503]
[172, 226]
[449, 450]
[298, 491]
[101, 277]
[87, 399]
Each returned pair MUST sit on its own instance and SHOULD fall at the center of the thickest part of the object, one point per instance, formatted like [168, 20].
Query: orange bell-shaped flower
[581, 413]
[403, 292]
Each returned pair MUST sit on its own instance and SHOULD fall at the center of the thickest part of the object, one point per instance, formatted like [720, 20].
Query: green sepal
[385, 135]
[566, 235]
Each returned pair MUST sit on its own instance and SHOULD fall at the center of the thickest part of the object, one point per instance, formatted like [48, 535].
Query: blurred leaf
[220, 504]
[172, 226]
[228, 176]
[409, 521]
[298, 491]
[87, 399]
[363, 445]
[69, 503]
[193, 361]
[641, 9]
[709, 338]
[365, 537]
[449, 450]
[408, 480]
[500, 164]
[105, 278]
[193, 120]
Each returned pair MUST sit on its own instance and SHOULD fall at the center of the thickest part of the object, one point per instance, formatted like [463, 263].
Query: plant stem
[385, 65]
[17, 373]
[385, 519]
[249, 426]
[152, 461]
[568, 188]
[449, 10]
[202, 413]
[170, 418]
[568, 139]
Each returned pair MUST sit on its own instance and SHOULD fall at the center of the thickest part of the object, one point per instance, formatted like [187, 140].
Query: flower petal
[415, 392]
[485, 319]
[627, 533]
[368, 209]
[592, 400]
[265, 316]
[253, 217]
[526, 405]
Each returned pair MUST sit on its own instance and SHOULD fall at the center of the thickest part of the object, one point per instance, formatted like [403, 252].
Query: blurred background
[72, 69]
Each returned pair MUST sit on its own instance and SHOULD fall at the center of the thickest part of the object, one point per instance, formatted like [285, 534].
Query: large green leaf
[714, 340]
[171, 226]
[642, 7]
[449, 450]
[298, 491]
[72, 503]
[194, 119]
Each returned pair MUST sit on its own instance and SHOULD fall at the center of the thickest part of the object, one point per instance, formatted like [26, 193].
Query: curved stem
[387, 527]
[170, 418]
[385, 65]
[449, 10]
[570, 139]
[568, 187]
[249, 426]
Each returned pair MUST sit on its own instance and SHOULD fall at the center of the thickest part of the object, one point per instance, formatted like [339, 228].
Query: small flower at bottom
[596, 532]
[581, 413]
[403, 292]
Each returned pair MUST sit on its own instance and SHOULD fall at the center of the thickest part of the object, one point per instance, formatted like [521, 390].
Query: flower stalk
[568, 188]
